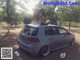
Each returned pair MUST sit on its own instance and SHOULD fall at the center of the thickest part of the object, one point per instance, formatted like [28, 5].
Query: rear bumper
[29, 48]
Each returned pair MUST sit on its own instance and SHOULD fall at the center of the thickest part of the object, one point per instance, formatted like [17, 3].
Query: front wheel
[45, 50]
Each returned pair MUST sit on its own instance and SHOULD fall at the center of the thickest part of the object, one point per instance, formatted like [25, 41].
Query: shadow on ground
[8, 40]
[72, 53]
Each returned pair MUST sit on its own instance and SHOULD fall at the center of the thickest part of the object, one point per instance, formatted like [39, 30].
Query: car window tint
[62, 31]
[50, 31]
[30, 30]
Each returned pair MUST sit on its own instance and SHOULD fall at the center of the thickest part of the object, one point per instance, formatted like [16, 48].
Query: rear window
[29, 30]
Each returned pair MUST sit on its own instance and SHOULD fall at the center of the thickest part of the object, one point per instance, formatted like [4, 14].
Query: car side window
[50, 31]
[62, 31]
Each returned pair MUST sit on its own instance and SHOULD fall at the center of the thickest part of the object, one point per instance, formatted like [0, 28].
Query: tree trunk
[69, 24]
[8, 15]
[8, 29]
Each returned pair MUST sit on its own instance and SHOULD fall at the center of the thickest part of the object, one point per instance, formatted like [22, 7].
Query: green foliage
[9, 11]
[69, 14]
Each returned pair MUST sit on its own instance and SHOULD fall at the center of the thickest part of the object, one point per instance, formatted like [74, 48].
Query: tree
[69, 13]
[8, 13]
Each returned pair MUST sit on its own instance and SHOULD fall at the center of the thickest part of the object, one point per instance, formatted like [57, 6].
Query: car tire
[44, 51]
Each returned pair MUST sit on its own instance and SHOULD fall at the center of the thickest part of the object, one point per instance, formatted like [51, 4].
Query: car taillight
[33, 39]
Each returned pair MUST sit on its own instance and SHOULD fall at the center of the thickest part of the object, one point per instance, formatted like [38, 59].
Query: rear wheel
[45, 50]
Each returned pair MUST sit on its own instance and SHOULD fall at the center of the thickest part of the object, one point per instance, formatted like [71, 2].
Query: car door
[51, 34]
[64, 37]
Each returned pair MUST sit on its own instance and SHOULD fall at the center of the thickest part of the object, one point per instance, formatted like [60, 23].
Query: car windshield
[29, 30]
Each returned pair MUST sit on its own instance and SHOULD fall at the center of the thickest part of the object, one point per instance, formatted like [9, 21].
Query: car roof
[38, 25]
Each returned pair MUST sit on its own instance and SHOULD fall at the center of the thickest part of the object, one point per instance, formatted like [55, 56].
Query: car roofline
[38, 25]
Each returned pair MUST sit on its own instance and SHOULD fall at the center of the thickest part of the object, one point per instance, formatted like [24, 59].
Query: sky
[29, 6]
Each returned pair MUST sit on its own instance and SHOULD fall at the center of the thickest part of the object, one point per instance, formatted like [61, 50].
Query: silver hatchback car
[42, 39]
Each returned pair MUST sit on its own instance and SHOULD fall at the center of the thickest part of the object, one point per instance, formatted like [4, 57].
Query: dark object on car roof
[27, 20]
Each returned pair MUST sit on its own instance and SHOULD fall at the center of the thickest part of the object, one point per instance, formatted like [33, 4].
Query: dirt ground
[72, 52]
